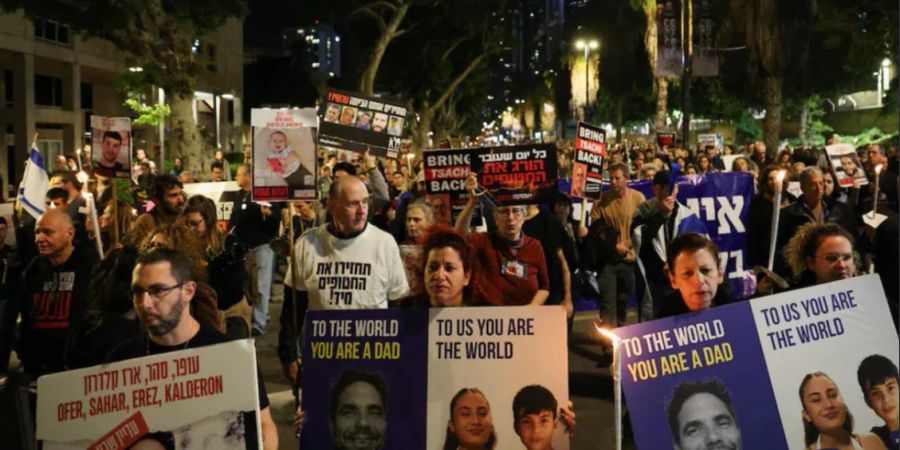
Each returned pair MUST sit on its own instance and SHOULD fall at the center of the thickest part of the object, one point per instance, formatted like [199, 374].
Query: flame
[608, 334]
[878, 169]
[780, 176]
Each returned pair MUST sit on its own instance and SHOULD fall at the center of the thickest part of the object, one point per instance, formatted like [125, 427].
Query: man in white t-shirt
[344, 264]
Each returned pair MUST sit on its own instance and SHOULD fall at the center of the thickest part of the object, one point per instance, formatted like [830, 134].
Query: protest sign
[670, 58]
[111, 138]
[505, 342]
[445, 177]
[587, 167]
[352, 121]
[741, 367]
[515, 174]
[284, 154]
[206, 397]
[375, 358]
[846, 164]
[222, 193]
[665, 139]
[722, 201]
[715, 140]
[413, 362]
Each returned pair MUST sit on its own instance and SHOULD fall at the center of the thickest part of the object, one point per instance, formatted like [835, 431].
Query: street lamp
[587, 46]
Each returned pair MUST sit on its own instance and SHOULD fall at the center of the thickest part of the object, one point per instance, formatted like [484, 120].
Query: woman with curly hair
[820, 253]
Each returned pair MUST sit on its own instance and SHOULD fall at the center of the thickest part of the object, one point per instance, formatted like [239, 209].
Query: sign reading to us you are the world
[754, 373]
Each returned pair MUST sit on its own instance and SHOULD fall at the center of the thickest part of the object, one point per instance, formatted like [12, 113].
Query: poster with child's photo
[111, 137]
[846, 164]
[284, 154]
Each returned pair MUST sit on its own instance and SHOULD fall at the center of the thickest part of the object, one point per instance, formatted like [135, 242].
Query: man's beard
[169, 322]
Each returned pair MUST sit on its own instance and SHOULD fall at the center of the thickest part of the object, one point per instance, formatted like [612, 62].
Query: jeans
[260, 263]
[616, 282]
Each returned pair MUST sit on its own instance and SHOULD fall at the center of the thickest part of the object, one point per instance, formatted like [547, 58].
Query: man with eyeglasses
[513, 268]
[163, 287]
[56, 287]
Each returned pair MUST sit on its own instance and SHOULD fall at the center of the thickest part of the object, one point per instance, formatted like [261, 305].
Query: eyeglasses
[515, 212]
[155, 291]
[832, 258]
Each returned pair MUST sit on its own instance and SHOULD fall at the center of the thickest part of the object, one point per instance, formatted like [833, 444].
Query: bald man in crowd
[56, 287]
[344, 264]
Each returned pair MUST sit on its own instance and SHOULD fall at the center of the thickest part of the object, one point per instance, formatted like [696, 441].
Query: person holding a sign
[820, 253]
[163, 287]
[827, 422]
[514, 271]
[694, 271]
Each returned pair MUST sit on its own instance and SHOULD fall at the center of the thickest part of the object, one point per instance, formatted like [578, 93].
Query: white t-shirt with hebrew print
[364, 272]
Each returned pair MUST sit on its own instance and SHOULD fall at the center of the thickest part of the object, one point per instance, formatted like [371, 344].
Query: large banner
[669, 55]
[846, 164]
[223, 193]
[352, 121]
[587, 167]
[414, 378]
[722, 201]
[205, 397]
[284, 154]
[111, 154]
[754, 374]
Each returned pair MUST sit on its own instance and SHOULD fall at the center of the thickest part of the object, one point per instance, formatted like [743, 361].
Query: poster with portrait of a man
[284, 154]
[111, 137]
[846, 164]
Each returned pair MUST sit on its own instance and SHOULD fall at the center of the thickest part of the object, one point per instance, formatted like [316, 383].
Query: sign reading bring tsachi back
[195, 398]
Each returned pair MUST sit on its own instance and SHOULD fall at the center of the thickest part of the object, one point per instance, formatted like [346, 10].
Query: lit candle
[92, 210]
[875, 197]
[78, 154]
[776, 211]
[617, 377]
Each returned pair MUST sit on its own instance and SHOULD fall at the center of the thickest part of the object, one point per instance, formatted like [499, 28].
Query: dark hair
[441, 236]
[69, 176]
[687, 389]
[163, 183]
[181, 267]
[451, 442]
[689, 242]
[58, 192]
[810, 432]
[562, 199]
[112, 135]
[351, 376]
[110, 287]
[345, 166]
[875, 370]
[3, 221]
[532, 400]
[216, 165]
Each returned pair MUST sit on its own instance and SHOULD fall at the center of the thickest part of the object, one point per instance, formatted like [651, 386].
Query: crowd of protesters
[171, 274]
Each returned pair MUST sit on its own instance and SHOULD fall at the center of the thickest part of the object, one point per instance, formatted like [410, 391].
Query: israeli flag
[34, 185]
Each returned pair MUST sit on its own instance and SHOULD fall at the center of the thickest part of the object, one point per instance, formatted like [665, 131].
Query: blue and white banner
[788, 371]
[34, 185]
